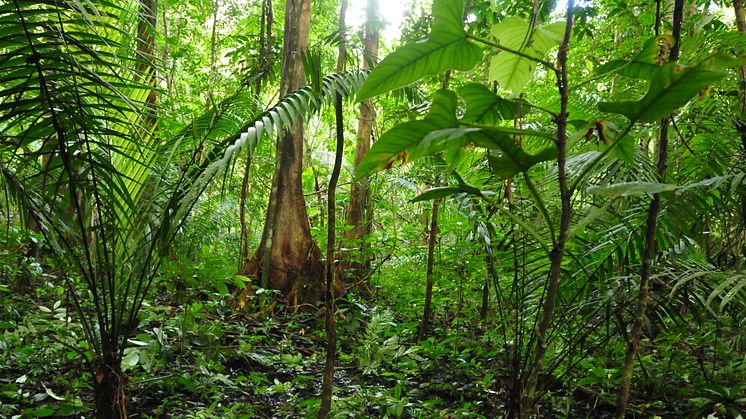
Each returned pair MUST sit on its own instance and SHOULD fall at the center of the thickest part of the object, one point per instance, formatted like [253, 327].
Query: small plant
[722, 401]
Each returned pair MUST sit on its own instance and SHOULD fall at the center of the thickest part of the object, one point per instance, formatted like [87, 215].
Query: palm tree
[78, 157]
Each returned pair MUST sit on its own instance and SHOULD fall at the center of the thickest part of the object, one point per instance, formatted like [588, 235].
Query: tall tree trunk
[288, 258]
[556, 255]
[146, 26]
[431, 241]
[357, 209]
[331, 332]
[651, 247]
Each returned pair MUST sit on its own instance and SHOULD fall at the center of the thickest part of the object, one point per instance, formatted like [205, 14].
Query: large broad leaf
[671, 86]
[485, 107]
[513, 71]
[399, 142]
[446, 48]
[631, 189]
[508, 158]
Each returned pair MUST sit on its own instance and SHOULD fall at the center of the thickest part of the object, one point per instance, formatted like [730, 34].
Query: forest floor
[203, 360]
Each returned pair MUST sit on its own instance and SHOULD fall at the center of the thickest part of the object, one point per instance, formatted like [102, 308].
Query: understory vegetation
[255, 209]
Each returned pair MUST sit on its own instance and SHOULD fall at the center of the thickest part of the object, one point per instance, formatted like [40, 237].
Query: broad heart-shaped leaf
[671, 86]
[398, 142]
[513, 71]
[511, 158]
[445, 48]
[485, 107]
[631, 189]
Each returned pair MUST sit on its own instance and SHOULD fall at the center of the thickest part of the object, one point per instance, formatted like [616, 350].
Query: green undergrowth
[200, 358]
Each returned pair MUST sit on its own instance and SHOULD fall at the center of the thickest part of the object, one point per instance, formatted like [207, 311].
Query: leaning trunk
[651, 246]
[265, 52]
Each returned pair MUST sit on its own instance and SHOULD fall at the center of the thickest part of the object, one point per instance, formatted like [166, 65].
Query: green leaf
[445, 48]
[671, 86]
[631, 189]
[51, 394]
[444, 191]
[511, 159]
[130, 359]
[40, 412]
[399, 142]
[645, 63]
[608, 133]
[513, 71]
[485, 107]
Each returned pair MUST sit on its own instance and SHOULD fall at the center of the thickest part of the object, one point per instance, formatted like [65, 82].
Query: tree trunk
[357, 209]
[110, 388]
[651, 247]
[528, 397]
[331, 332]
[288, 258]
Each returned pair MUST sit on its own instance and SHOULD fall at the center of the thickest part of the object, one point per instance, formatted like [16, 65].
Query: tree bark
[651, 247]
[357, 209]
[485, 307]
[288, 259]
[331, 332]
[110, 388]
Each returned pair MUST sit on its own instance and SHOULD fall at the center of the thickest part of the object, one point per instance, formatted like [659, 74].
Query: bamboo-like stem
[528, 398]
[331, 333]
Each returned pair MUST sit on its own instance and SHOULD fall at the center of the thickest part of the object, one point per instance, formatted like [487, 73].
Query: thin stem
[556, 255]
[514, 51]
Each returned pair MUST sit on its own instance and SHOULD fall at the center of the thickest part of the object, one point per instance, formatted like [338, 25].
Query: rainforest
[372, 208]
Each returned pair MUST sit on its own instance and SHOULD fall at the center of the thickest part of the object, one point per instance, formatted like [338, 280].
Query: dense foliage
[551, 220]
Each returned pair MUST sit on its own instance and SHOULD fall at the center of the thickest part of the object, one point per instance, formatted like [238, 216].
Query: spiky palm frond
[226, 132]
